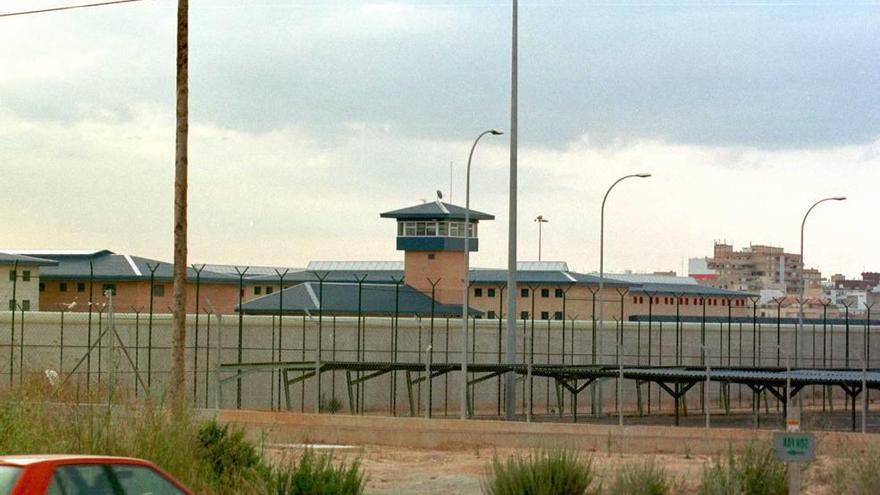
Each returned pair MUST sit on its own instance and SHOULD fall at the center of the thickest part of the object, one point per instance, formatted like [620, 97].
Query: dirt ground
[402, 471]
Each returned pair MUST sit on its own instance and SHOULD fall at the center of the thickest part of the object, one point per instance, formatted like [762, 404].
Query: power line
[69, 7]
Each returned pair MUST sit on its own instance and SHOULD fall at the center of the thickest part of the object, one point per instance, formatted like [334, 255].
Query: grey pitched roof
[483, 275]
[342, 299]
[687, 289]
[10, 258]
[107, 265]
[435, 210]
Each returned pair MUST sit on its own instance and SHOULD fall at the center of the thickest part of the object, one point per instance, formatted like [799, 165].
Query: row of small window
[434, 229]
[258, 291]
[158, 290]
[684, 301]
[490, 292]
[25, 275]
[524, 315]
[24, 305]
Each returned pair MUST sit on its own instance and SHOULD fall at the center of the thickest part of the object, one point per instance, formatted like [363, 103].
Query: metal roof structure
[538, 266]
[435, 210]
[687, 290]
[11, 258]
[252, 271]
[345, 298]
[106, 265]
[354, 266]
[649, 278]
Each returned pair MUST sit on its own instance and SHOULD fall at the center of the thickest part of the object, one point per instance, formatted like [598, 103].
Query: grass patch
[857, 474]
[644, 478]
[208, 457]
[317, 473]
[755, 472]
[544, 472]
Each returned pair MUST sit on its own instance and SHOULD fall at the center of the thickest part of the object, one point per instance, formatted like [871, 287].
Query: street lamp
[800, 329]
[466, 278]
[541, 220]
[597, 396]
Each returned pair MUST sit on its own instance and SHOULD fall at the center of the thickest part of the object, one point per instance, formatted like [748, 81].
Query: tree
[177, 395]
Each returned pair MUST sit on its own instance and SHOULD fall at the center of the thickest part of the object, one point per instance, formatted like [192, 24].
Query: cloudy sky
[309, 118]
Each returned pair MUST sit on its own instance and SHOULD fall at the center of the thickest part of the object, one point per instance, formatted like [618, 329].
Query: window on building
[443, 229]
[80, 287]
[26, 276]
[490, 292]
[558, 293]
[158, 290]
[42, 287]
[545, 292]
[431, 256]
[524, 292]
[258, 290]
[420, 228]
[410, 229]
[110, 287]
[635, 299]
[524, 315]
[269, 290]
[62, 287]
[545, 315]
[26, 305]
[400, 229]
[11, 305]
[431, 229]
[478, 292]
[557, 315]
[491, 315]
[12, 275]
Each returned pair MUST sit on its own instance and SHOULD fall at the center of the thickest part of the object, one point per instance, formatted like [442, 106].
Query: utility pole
[178, 397]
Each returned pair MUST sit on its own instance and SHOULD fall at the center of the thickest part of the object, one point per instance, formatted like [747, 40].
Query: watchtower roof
[435, 210]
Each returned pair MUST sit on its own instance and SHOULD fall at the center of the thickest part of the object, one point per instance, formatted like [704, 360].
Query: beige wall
[24, 290]
[131, 296]
[579, 303]
[445, 268]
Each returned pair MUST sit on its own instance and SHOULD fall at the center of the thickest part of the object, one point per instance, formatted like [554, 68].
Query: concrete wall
[299, 339]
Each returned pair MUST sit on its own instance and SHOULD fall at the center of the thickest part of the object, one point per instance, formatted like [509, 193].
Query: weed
[316, 474]
[755, 472]
[644, 478]
[544, 472]
[857, 474]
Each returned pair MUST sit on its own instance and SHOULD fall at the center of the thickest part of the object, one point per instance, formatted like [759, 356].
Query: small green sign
[794, 447]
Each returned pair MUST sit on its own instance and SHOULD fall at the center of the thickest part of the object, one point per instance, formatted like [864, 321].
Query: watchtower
[432, 237]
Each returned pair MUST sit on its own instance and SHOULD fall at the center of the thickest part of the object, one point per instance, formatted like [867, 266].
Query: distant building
[698, 268]
[20, 281]
[757, 268]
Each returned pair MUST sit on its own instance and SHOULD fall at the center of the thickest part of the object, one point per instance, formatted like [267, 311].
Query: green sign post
[794, 446]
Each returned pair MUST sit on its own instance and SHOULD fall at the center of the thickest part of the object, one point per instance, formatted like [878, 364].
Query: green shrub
[644, 478]
[857, 474]
[755, 472]
[232, 458]
[544, 472]
[314, 474]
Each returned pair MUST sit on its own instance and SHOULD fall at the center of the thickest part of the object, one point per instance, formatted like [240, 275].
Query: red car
[84, 474]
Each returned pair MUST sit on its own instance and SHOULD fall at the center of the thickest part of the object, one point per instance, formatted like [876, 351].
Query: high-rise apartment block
[757, 268]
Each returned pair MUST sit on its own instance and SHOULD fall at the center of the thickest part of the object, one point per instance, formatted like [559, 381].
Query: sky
[309, 118]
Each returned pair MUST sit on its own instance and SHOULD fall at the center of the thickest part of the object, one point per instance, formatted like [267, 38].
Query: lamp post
[800, 329]
[466, 276]
[597, 395]
[541, 221]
